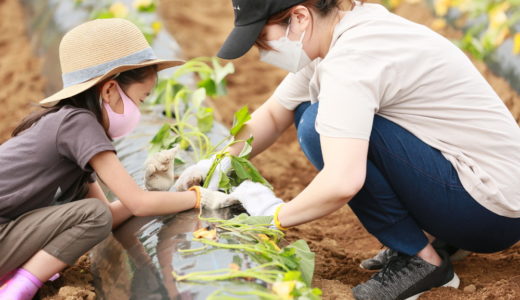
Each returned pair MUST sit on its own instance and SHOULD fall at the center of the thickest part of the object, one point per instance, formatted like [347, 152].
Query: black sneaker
[407, 277]
[379, 261]
[382, 257]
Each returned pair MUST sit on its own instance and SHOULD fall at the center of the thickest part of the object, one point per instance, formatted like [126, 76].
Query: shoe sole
[454, 283]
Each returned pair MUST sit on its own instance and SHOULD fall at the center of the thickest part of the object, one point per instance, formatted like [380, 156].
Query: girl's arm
[267, 123]
[340, 180]
[119, 212]
[139, 202]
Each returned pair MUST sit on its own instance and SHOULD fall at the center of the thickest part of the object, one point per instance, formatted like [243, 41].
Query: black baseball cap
[250, 18]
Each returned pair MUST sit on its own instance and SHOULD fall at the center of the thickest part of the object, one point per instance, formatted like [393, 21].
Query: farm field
[339, 240]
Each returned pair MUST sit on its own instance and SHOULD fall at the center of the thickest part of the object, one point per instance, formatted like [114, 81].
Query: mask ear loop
[287, 32]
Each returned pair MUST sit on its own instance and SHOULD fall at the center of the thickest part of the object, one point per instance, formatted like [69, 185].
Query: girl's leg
[42, 242]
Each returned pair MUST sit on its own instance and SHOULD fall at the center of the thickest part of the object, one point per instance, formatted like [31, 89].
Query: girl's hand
[195, 175]
[159, 174]
[213, 199]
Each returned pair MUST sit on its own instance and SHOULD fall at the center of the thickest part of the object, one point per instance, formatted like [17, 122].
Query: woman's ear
[301, 19]
[109, 92]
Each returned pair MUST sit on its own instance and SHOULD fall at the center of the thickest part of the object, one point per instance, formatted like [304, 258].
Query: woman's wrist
[276, 218]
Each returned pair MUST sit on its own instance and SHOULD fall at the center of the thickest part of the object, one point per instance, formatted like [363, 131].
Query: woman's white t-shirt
[380, 63]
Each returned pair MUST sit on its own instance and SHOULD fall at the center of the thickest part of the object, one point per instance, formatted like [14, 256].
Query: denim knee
[308, 137]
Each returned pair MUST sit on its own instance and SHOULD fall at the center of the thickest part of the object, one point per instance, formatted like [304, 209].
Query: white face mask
[288, 55]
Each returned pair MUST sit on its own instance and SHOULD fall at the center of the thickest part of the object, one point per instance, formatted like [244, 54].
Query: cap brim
[81, 87]
[240, 40]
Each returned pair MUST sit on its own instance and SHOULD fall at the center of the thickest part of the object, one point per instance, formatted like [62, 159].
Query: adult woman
[108, 70]
[401, 126]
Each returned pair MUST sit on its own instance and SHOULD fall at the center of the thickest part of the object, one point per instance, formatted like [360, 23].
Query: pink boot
[21, 286]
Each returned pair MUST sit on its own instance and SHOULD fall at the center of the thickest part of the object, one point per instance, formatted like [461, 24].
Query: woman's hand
[256, 198]
[159, 167]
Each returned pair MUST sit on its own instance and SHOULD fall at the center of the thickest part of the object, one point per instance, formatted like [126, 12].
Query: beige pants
[65, 231]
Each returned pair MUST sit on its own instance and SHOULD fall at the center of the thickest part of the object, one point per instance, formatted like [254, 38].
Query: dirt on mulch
[339, 240]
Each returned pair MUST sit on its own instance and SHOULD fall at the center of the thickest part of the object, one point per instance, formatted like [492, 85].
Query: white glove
[256, 198]
[213, 199]
[195, 174]
[159, 175]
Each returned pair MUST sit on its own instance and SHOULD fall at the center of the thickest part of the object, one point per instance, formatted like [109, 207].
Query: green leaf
[253, 172]
[225, 183]
[247, 148]
[306, 257]
[292, 275]
[241, 117]
[209, 86]
[197, 97]
[160, 136]
[248, 220]
[205, 119]
[222, 72]
[179, 162]
[238, 166]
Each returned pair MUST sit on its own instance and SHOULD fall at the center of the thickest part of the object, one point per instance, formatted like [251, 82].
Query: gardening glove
[195, 175]
[159, 167]
[256, 198]
[209, 199]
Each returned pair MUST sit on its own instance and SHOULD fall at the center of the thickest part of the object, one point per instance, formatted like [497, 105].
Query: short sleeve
[80, 137]
[351, 87]
[294, 89]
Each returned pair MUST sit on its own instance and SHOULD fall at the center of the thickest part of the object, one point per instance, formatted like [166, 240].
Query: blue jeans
[410, 188]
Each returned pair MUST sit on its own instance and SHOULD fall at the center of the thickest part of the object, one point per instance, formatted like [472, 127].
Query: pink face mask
[122, 124]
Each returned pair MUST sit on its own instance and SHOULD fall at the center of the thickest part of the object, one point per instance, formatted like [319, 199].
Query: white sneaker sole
[454, 283]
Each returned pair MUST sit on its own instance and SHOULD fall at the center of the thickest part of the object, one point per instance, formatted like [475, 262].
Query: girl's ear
[300, 19]
[109, 92]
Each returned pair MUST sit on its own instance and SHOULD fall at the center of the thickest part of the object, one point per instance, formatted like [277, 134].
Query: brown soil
[22, 84]
[339, 240]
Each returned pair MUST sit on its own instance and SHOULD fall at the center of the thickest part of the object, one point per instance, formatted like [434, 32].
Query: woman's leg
[45, 240]
[411, 187]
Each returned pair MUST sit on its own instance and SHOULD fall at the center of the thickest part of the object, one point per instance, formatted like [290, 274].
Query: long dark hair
[88, 99]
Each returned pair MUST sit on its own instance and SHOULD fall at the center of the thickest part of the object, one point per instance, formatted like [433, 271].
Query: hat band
[80, 76]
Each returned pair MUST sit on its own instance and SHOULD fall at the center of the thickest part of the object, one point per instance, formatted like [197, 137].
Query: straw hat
[99, 49]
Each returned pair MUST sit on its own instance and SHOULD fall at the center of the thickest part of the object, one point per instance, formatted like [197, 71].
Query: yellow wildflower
[138, 4]
[156, 26]
[516, 44]
[118, 10]
[442, 7]
[394, 3]
[497, 16]
[438, 24]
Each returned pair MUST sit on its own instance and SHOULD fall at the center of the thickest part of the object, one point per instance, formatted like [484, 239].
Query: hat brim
[241, 40]
[81, 87]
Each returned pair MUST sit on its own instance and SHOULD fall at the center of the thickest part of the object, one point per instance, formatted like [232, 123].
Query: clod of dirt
[470, 289]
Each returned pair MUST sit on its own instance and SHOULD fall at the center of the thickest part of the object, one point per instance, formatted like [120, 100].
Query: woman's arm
[267, 123]
[340, 180]
[139, 202]
[119, 212]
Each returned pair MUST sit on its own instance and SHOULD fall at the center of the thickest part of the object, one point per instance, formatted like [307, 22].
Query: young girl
[400, 124]
[108, 71]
